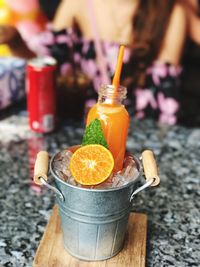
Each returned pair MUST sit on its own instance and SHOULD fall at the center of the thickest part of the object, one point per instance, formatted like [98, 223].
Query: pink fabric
[65, 68]
[28, 29]
[143, 98]
[168, 107]
[140, 115]
[38, 43]
[157, 71]
[63, 39]
[174, 70]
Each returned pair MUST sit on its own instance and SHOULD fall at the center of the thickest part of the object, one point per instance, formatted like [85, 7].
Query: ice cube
[61, 175]
[126, 175]
[61, 164]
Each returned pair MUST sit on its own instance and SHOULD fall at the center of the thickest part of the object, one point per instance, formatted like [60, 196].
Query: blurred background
[38, 28]
[54, 57]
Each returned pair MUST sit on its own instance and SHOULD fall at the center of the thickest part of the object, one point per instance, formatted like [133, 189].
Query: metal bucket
[94, 221]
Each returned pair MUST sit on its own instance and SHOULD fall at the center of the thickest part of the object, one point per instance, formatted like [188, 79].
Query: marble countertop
[173, 208]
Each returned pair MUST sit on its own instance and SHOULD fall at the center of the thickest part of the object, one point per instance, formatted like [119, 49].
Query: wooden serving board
[51, 252]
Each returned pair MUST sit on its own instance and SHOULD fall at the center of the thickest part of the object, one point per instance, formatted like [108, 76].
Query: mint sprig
[94, 134]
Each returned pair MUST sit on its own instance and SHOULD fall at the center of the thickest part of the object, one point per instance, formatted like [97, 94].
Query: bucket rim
[138, 163]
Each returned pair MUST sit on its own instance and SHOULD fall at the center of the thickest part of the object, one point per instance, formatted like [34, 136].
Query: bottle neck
[108, 95]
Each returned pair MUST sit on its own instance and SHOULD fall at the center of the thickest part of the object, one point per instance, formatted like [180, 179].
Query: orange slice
[91, 164]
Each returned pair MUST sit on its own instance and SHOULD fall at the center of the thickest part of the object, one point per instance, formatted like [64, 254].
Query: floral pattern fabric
[12, 81]
[161, 93]
[159, 98]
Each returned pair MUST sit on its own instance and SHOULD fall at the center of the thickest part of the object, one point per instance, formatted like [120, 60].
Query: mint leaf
[94, 134]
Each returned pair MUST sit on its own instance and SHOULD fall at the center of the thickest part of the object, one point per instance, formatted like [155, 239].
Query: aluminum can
[41, 96]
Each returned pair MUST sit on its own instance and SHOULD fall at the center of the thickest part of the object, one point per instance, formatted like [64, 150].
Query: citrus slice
[91, 164]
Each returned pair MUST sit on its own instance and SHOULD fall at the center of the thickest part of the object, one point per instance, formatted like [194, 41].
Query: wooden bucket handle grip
[150, 167]
[41, 167]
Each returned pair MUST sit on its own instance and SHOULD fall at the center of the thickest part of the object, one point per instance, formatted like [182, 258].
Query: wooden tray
[51, 253]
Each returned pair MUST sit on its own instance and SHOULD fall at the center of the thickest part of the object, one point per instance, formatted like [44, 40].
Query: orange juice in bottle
[114, 120]
[112, 114]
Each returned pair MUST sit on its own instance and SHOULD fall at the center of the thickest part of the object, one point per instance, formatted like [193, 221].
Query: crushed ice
[126, 175]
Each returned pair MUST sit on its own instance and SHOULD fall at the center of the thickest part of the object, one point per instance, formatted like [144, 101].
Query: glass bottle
[114, 120]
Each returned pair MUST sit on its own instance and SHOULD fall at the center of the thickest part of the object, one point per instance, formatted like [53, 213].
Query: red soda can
[41, 95]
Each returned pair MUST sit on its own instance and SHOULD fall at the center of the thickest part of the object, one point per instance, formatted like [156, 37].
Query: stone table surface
[173, 209]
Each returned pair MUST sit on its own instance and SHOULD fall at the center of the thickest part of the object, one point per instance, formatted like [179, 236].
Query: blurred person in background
[192, 8]
[189, 114]
[86, 35]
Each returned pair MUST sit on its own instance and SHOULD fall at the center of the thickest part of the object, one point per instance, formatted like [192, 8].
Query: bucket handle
[150, 172]
[41, 172]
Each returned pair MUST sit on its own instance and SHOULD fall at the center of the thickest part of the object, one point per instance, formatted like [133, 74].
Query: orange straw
[116, 78]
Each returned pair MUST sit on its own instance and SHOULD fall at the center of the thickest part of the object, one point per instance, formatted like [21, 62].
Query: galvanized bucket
[94, 221]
